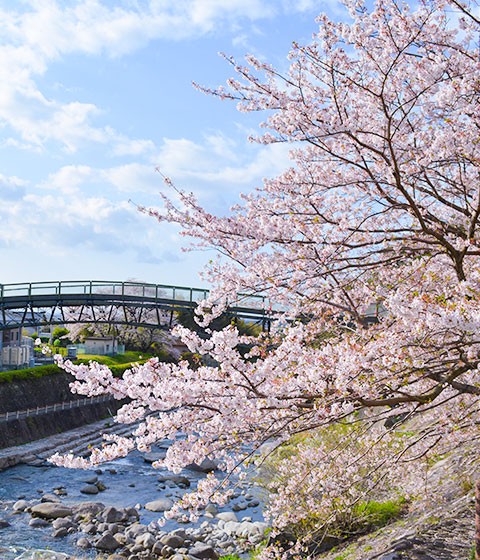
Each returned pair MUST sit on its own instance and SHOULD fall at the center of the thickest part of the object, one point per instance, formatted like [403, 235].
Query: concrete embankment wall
[39, 392]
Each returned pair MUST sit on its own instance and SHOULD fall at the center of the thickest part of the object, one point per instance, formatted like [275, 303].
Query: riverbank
[78, 439]
[439, 525]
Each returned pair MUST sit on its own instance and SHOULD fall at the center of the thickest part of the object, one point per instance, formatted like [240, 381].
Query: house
[16, 350]
[101, 345]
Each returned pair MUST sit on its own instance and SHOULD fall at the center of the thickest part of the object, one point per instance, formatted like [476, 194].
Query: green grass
[28, 373]
[373, 514]
[118, 364]
[126, 358]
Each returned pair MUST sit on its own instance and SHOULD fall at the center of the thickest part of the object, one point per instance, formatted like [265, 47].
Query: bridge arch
[34, 304]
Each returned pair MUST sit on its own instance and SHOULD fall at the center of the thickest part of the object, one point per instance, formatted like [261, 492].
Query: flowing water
[129, 481]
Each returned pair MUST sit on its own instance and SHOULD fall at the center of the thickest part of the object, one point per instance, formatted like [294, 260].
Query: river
[129, 481]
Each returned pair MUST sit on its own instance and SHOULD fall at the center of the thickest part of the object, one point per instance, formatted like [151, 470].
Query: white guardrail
[65, 405]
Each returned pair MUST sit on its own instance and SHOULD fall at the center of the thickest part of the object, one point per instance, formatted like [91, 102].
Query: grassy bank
[118, 364]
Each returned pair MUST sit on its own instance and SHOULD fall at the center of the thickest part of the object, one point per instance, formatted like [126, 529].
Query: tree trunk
[477, 520]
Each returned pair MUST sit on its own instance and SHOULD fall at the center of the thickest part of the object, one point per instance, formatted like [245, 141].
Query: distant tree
[60, 336]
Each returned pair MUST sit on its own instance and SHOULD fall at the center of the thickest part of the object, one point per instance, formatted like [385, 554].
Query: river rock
[102, 527]
[90, 528]
[38, 522]
[51, 510]
[180, 533]
[132, 513]
[89, 489]
[207, 465]
[107, 543]
[147, 540]
[230, 527]
[84, 543]
[161, 504]
[201, 550]
[211, 509]
[177, 479]
[4, 523]
[136, 529]
[227, 516]
[85, 511]
[90, 479]
[63, 522]
[114, 515]
[20, 506]
[162, 550]
[120, 538]
[173, 541]
[50, 498]
[61, 532]
[154, 456]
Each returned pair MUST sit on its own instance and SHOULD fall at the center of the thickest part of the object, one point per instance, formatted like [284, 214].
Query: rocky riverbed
[53, 513]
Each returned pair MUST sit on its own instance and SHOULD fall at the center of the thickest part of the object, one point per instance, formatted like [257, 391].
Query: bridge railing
[122, 289]
[91, 287]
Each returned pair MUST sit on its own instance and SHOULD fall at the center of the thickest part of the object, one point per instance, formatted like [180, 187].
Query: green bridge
[138, 304]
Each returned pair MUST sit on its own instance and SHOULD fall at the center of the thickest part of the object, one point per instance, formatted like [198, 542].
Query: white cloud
[12, 188]
[132, 178]
[67, 179]
[41, 32]
[132, 147]
[220, 162]
[59, 224]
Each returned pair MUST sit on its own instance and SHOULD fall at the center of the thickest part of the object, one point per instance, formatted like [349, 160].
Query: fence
[65, 405]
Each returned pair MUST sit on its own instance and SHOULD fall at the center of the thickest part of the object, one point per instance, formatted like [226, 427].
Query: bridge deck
[134, 303]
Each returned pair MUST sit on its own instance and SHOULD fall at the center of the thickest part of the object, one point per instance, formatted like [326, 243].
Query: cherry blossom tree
[379, 209]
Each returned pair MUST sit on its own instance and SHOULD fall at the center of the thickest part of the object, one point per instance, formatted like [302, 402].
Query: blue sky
[94, 96]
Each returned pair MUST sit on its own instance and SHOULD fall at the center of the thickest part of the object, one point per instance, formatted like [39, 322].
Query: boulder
[51, 510]
[177, 479]
[136, 529]
[89, 489]
[84, 543]
[21, 505]
[161, 504]
[88, 509]
[203, 551]
[173, 541]
[147, 540]
[38, 522]
[107, 543]
[154, 456]
[63, 522]
[207, 465]
[50, 498]
[227, 516]
[90, 479]
[61, 532]
[114, 515]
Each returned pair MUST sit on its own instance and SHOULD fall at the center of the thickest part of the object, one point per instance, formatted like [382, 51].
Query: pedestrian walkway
[78, 440]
